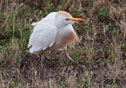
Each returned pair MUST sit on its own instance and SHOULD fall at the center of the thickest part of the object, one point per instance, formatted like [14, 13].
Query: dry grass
[102, 44]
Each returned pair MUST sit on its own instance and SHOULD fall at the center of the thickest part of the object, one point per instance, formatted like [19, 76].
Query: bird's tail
[34, 24]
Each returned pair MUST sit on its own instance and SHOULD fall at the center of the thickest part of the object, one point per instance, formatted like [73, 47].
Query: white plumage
[55, 30]
[50, 17]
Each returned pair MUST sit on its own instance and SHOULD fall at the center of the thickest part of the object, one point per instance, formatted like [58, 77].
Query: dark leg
[83, 67]
[42, 58]
[43, 74]
[69, 58]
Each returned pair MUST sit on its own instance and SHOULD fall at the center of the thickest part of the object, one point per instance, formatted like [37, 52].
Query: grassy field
[102, 44]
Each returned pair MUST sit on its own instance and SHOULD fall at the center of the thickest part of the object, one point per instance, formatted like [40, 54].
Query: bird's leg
[69, 58]
[43, 65]
[42, 58]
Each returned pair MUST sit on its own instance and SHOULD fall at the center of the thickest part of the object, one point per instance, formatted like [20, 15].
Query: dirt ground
[102, 45]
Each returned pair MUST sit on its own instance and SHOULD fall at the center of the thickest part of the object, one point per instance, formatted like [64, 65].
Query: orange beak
[77, 19]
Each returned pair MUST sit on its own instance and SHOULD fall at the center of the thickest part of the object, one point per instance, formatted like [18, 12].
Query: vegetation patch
[102, 44]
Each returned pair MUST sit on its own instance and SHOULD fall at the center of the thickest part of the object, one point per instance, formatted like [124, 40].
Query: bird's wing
[49, 17]
[43, 37]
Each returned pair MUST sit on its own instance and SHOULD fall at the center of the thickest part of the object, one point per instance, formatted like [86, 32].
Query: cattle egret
[54, 32]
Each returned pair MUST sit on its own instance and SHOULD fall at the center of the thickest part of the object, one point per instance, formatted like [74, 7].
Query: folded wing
[43, 37]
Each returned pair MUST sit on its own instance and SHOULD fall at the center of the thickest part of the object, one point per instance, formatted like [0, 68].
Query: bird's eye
[67, 19]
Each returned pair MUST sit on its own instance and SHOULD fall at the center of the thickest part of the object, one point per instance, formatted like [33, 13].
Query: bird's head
[63, 18]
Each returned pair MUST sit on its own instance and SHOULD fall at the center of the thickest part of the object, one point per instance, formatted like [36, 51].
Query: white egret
[54, 32]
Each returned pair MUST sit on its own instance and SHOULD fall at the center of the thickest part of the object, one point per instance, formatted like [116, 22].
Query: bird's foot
[69, 58]
[81, 66]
